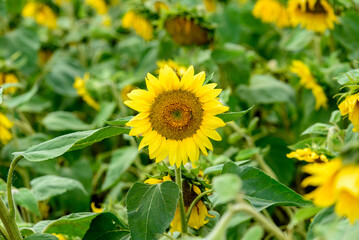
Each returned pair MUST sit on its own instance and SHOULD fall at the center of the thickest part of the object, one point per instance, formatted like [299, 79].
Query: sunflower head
[176, 116]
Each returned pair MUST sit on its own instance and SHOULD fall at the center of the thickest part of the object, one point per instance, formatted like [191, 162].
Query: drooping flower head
[307, 80]
[316, 15]
[350, 106]
[42, 14]
[272, 11]
[199, 213]
[176, 116]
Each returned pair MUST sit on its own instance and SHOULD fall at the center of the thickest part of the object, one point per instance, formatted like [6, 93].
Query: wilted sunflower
[177, 116]
[316, 15]
[199, 212]
[187, 30]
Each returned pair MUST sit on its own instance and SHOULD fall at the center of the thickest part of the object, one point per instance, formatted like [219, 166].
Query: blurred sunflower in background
[6, 78]
[177, 116]
[179, 69]
[139, 23]
[80, 86]
[42, 14]
[272, 11]
[316, 15]
[350, 107]
[5, 126]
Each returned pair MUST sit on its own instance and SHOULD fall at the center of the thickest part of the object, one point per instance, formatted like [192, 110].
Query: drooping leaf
[25, 198]
[121, 160]
[49, 186]
[263, 191]
[151, 208]
[69, 142]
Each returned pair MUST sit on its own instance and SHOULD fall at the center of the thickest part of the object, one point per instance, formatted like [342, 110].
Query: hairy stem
[181, 202]
[10, 199]
[13, 232]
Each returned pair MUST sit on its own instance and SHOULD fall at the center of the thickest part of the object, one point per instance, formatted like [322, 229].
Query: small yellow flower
[179, 69]
[271, 11]
[61, 2]
[350, 106]
[60, 236]
[210, 5]
[8, 78]
[199, 212]
[316, 15]
[141, 25]
[42, 14]
[307, 80]
[80, 86]
[5, 125]
[100, 6]
[160, 6]
[95, 209]
[307, 155]
[177, 116]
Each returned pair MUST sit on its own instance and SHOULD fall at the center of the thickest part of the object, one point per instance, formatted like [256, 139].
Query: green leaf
[317, 129]
[74, 224]
[49, 186]
[335, 117]
[69, 142]
[106, 110]
[25, 198]
[263, 191]
[297, 39]
[41, 236]
[230, 192]
[16, 101]
[217, 169]
[62, 121]
[350, 77]
[232, 116]
[151, 208]
[303, 214]
[121, 160]
[246, 153]
[106, 227]
[267, 90]
[120, 121]
[254, 233]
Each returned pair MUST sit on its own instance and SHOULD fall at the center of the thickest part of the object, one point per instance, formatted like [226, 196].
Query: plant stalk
[10, 199]
[180, 201]
[13, 232]
[188, 215]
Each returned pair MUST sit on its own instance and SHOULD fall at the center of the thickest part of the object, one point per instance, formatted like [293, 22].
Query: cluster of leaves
[61, 176]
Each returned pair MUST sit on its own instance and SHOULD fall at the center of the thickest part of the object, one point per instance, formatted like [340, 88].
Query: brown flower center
[318, 8]
[176, 114]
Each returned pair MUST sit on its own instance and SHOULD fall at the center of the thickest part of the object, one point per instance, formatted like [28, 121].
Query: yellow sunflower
[307, 155]
[8, 78]
[316, 15]
[5, 125]
[42, 14]
[96, 209]
[140, 24]
[176, 116]
[100, 6]
[307, 80]
[199, 212]
[271, 11]
[80, 86]
[179, 69]
[350, 106]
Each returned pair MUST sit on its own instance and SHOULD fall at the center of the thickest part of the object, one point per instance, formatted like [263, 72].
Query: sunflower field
[187, 119]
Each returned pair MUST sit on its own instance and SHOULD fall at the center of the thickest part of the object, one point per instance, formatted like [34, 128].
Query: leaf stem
[10, 199]
[194, 203]
[13, 232]
[4, 233]
[180, 201]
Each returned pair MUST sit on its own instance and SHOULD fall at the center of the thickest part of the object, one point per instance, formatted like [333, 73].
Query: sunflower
[307, 155]
[139, 23]
[80, 86]
[8, 78]
[179, 69]
[42, 14]
[271, 11]
[350, 106]
[307, 80]
[199, 212]
[316, 15]
[5, 125]
[96, 209]
[100, 6]
[177, 116]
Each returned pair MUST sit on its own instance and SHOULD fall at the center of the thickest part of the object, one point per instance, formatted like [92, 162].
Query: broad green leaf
[49, 186]
[151, 208]
[246, 153]
[317, 129]
[106, 227]
[263, 191]
[350, 77]
[62, 121]
[254, 233]
[69, 142]
[228, 52]
[335, 117]
[297, 39]
[74, 224]
[121, 160]
[266, 89]
[303, 214]
[120, 121]
[25, 198]
[217, 169]
[230, 192]
[41, 236]
[232, 116]
[16, 101]
[36, 104]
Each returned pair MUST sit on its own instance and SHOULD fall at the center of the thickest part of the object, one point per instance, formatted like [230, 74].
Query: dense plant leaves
[263, 191]
[217, 169]
[49, 186]
[41, 236]
[120, 121]
[232, 116]
[25, 198]
[151, 208]
[106, 227]
[75, 224]
[254, 233]
[120, 161]
[297, 39]
[232, 183]
[69, 142]
[61, 121]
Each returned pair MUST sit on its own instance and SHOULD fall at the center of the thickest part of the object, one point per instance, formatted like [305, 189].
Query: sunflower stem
[10, 199]
[194, 203]
[12, 230]
[180, 201]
